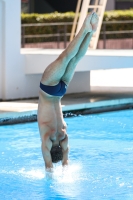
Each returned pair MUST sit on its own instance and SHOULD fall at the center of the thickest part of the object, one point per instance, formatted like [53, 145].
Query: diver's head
[56, 153]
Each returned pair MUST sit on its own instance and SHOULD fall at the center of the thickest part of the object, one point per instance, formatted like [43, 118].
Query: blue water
[101, 161]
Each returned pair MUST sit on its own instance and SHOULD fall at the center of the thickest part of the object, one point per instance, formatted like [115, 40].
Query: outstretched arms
[46, 148]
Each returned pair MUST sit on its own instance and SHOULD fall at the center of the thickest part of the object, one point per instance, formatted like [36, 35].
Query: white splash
[68, 174]
[67, 181]
[35, 174]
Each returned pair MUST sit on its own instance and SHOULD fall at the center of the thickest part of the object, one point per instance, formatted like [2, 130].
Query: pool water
[101, 161]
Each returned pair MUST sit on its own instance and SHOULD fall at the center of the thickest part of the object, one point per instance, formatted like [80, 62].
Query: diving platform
[38, 59]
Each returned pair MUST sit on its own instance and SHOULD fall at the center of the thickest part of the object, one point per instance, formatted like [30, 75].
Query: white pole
[2, 49]
[75, 20]
[83, 14]
[10, 41]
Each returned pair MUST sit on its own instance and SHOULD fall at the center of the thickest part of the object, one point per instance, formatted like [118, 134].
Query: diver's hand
[49, 173]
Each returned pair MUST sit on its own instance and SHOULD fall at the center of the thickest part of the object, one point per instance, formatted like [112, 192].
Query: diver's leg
[54, 72]
[82, 50]
[68, 75]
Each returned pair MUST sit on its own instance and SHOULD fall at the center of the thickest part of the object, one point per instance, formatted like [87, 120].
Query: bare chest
[50, 118]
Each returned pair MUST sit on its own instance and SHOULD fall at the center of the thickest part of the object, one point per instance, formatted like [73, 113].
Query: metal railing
[59, 33]
[105, 33]
[62, 32]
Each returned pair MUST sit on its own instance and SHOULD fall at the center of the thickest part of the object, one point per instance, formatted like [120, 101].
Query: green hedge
[46, 18]
[69, 17]
[119, 15]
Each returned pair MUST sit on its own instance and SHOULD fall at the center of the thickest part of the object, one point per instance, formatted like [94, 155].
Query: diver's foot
[94, 21]
[87, 23]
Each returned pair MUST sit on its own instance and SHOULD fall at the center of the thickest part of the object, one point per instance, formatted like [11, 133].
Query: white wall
[13, 59]
[112, 80]
[110, 5]
[80, 83]
[9, 45]
[14, 83]
[1, 46]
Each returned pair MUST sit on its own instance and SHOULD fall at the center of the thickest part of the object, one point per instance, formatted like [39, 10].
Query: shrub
[46, 18]
[35, 18]
[118, 15]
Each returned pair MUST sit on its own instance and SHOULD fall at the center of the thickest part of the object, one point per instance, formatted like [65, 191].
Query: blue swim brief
[56, 90]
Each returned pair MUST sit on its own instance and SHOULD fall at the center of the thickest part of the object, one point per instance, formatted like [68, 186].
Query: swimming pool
[101, 161]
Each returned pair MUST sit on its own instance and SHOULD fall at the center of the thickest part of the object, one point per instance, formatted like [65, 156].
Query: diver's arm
[65, 157]
[46, 147]
[65, 150]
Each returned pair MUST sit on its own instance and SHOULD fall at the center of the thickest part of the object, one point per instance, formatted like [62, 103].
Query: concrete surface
[26, 110]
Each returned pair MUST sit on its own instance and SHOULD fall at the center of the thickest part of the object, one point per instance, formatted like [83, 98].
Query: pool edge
[7, 118]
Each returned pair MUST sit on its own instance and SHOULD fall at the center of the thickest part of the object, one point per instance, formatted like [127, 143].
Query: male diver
[53, 85]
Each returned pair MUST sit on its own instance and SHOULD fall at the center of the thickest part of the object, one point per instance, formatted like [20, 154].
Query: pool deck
[18, 111]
